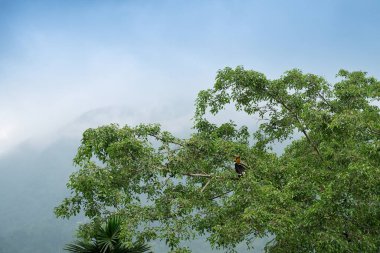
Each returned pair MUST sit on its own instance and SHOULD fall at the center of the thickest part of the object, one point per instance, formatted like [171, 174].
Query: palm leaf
[108, 234]
[107, 240]
[81, 247]
[139, 248]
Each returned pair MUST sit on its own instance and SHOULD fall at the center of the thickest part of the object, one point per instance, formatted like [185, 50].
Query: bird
[239, 166]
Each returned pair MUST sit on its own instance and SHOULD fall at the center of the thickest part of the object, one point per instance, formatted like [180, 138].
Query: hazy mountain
[31, 184]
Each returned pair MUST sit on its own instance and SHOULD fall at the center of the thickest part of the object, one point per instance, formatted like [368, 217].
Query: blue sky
[61, 59]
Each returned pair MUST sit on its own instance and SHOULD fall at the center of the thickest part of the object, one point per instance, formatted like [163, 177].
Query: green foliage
[106, 239]
[320, 195]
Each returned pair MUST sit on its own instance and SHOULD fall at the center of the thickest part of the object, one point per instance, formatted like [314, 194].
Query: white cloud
[152, 59]
[48, 88]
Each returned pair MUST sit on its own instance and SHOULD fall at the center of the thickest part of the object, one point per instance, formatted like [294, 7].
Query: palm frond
[139, 248]
[81, 247]
[107, 240]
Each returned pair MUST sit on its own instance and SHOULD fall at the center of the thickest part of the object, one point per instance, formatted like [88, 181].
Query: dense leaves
[322, 194]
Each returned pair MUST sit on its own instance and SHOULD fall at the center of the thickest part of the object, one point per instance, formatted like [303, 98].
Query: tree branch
[220, 195]
[199, 175]
[204, 187]
[324, 99]
[166, 141]
[194, 174]
[302, 128]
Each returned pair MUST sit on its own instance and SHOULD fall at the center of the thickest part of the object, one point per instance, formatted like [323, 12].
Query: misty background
[66, 66]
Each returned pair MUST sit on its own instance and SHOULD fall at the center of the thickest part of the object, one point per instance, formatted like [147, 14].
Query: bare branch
[204, 187]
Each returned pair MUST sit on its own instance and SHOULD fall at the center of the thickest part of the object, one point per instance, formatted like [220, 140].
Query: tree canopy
[321, 194]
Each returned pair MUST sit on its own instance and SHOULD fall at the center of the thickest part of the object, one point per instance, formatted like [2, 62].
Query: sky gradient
[133, 61]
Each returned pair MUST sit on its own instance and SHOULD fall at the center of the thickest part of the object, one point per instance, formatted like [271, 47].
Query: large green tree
[321, 194]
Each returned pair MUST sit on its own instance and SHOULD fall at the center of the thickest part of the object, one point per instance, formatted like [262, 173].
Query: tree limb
[204, 187]
[220, 195]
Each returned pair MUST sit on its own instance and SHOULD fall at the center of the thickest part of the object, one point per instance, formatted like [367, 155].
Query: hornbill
[239, 166]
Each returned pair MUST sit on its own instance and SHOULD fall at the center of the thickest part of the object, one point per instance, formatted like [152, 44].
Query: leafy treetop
[320, 195]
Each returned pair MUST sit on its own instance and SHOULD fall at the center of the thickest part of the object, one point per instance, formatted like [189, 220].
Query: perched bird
[239, 166]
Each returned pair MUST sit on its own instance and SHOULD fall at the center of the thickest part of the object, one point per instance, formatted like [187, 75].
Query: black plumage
[239, 167]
